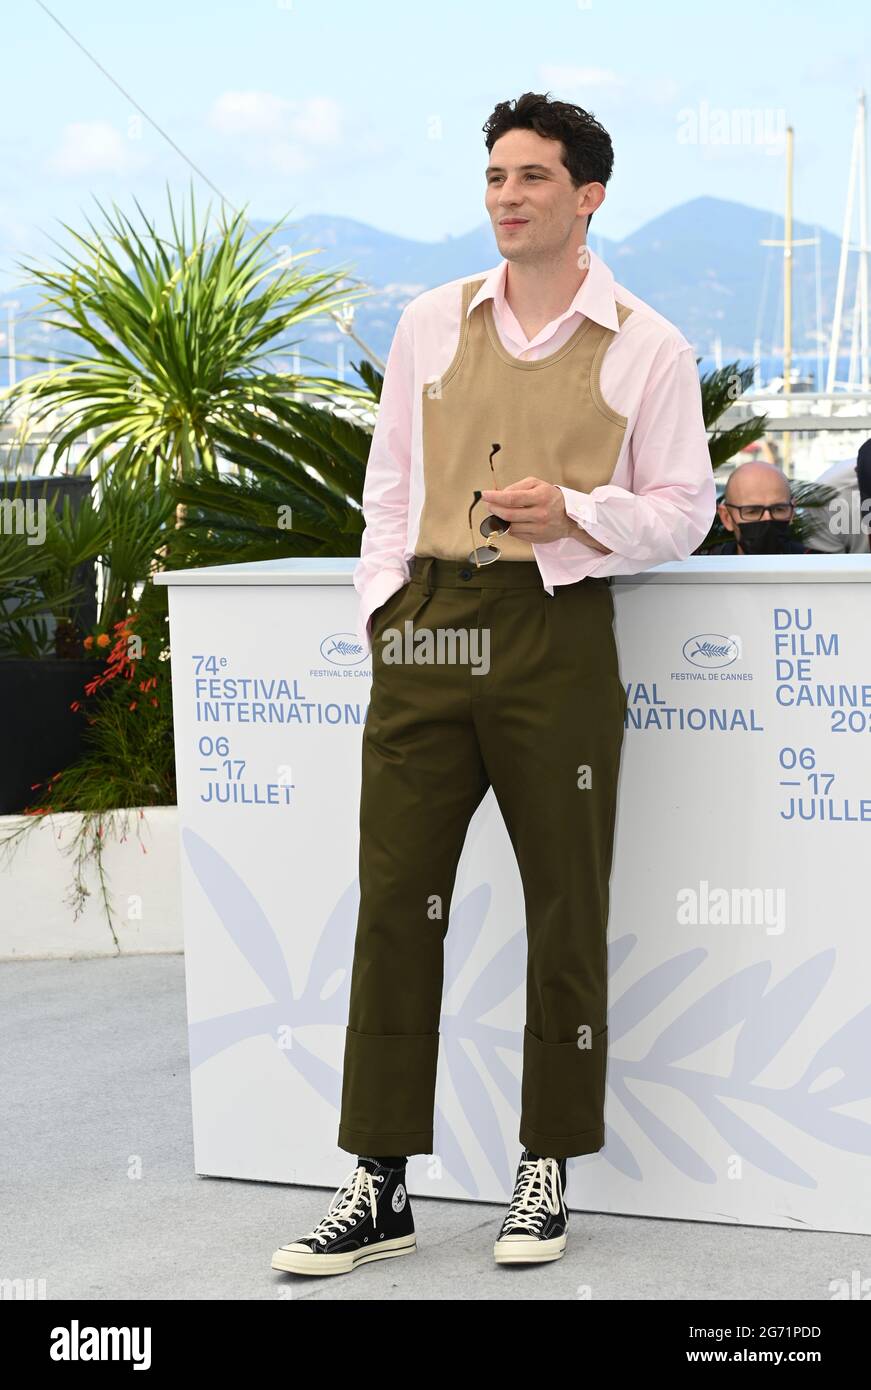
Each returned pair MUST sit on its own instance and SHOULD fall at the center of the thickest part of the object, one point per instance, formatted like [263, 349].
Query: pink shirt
[662, 500]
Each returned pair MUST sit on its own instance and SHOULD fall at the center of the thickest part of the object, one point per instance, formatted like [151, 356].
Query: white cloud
[288, 127]
[249, 113]
[91, 147]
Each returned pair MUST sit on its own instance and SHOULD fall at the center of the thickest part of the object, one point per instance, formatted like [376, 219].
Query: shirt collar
[595, 298]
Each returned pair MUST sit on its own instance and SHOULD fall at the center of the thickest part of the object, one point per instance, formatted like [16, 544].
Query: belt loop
[427, 575]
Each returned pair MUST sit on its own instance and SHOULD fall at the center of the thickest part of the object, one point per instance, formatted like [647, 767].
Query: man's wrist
[581, 535]
[575, 531]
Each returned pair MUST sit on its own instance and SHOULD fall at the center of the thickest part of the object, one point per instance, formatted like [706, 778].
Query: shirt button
[465, 574]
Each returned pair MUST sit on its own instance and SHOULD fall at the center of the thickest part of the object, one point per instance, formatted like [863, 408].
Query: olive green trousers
[537, 711]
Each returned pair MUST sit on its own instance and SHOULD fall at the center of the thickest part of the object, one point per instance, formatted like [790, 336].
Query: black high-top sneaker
[535, 1228]
[369, 1218]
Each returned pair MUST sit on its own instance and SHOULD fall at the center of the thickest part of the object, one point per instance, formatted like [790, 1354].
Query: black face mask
[762, 537]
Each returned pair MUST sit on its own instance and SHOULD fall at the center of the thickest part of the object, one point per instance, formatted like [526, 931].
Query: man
[757, 507]
[842, 527]
[542, 397]
[863, 479]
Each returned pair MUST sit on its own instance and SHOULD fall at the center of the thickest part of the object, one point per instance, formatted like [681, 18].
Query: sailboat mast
[787, 302]
[858, 174]
[862, 278]
[788, 243]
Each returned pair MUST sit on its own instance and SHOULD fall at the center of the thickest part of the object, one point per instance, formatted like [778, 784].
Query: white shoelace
[351, 1198]
[541, 1187]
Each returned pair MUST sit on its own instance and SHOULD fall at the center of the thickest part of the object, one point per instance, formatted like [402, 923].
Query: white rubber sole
[298, 1259]
[517, 1252]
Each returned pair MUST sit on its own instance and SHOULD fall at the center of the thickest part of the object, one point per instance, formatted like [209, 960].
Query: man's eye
[529, 176]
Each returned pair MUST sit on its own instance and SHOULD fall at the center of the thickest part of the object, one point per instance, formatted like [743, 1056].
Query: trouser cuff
[563, 1096]
[388, 1092]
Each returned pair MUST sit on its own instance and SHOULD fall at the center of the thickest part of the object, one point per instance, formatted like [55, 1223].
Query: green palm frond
[174, 336]
[298, 492]
[720, 389]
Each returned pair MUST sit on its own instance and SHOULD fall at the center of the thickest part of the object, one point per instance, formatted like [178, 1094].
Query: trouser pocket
[381, 615]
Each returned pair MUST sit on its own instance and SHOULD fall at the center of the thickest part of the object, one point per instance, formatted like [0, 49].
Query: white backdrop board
[739, 1071]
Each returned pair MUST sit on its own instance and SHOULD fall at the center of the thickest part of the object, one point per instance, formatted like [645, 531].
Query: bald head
[756, 484]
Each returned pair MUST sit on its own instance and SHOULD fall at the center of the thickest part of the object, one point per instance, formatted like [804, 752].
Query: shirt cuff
[581, 509]
[376, 592]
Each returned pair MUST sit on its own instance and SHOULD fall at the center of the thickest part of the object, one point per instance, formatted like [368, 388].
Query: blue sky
[374, 111]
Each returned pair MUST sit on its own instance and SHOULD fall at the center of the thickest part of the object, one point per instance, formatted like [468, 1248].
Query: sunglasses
[491, 525]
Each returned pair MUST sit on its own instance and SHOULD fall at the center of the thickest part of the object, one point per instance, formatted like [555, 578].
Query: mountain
[701, 264]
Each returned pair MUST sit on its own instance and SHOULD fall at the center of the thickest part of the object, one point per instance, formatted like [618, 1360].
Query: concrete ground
[95, 1068]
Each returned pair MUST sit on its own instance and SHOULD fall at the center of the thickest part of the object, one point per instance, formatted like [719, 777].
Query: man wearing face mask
[757, 509]
[841, 527]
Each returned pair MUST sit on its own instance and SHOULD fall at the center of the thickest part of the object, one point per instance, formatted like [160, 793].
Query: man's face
[755, 485]
[747, 490]
[542, 195]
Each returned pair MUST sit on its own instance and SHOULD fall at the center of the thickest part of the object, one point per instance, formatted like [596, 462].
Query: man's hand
[537, 512]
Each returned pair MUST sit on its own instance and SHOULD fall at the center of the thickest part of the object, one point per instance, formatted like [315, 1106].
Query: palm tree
[177, 336]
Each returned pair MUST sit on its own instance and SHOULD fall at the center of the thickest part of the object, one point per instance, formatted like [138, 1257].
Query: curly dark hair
[587, 150]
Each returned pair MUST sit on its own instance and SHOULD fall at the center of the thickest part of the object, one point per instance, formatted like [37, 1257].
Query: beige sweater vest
[549, 417]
